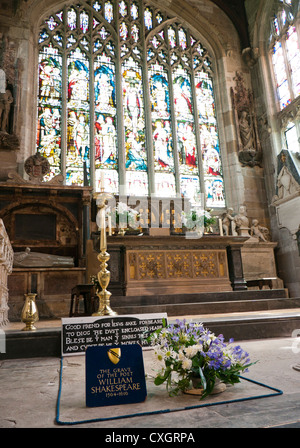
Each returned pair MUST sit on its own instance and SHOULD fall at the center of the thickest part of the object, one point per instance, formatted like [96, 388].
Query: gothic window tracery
[285, 57]
[126, 96]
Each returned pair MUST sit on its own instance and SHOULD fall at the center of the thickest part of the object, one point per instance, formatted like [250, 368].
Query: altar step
[247, 315]
[205, 303]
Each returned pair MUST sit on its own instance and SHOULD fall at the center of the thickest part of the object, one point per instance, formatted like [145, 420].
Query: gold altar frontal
[165, 271]
[166, 265]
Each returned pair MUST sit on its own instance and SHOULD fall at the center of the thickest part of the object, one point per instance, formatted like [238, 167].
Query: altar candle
[221, 227]
[109, 225]
[102, 181]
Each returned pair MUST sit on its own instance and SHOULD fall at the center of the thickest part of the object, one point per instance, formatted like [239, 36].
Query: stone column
[6, 263]
[235, 266]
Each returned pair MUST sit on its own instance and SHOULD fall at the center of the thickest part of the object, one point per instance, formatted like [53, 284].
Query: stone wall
[6, 262]
[283, 211]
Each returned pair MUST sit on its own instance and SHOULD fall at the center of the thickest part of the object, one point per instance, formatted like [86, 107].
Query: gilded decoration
[205, 264]
[177, 264]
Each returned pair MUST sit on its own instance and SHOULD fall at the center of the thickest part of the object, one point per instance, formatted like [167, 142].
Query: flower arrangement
[126, 216]
[188, 350]
[198, 218]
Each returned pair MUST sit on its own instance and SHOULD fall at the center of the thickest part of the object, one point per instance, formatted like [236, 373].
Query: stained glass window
[120, 111]
[285, 52]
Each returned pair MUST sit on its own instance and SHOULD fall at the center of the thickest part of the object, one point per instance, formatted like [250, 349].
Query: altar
[149, 265]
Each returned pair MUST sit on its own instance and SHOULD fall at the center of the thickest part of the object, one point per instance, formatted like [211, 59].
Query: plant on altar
[198, 218]
[125, 216]
[188, 350]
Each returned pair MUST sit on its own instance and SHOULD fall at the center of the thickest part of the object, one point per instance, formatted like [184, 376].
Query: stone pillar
[235, 266]
[6, 263]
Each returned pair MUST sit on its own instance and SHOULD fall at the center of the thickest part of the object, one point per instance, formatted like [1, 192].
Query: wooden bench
[260, 282]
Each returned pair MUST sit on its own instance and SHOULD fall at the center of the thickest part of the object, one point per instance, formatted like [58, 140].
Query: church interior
[149, 150]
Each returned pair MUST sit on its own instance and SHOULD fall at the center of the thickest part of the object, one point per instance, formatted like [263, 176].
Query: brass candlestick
[29, 312]
[104, 308]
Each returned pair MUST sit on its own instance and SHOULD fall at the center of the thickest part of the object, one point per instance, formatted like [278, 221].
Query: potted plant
[198, 220]
[126, 217]
[188, 351]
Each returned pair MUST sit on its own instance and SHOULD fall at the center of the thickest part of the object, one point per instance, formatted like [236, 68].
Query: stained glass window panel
[293, 53]
[134, 117]
[105, 130]
[148, 18]
[292, 138]
[210, 149]
[185, 127]
[78, 136]
[134, 11]
[72, 17]
[161, 131]
[281, 77]
[123, 8]
[84, 22]
[49, 109]
[108, 12]
[105, 106]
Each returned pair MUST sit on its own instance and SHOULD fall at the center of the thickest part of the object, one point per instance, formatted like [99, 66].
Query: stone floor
[29, 392]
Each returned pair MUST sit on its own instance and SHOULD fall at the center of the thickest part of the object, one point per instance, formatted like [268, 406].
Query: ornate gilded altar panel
[149, 271]
[179, 264]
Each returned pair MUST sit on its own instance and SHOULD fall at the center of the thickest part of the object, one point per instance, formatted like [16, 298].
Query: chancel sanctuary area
[150, 215]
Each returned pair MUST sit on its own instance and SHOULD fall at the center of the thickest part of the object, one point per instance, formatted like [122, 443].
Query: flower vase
[29, 313]
[219, 387]
[121, 232]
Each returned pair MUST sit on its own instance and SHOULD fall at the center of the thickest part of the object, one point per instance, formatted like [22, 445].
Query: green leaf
[203, 379]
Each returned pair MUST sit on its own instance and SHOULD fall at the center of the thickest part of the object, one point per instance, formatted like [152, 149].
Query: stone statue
[249, 146]
[286, 184]
[228, 223]
[242, 222]
[6, 100]
[246, 132]
[36, 259]
[258, 231]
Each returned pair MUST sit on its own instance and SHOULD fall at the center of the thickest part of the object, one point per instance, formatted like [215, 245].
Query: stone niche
[48, 220]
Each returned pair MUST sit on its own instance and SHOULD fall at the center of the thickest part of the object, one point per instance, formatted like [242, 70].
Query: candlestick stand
[104, 308]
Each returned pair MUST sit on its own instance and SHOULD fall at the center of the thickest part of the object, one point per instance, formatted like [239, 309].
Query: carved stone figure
[286, 183]
[246, 132]
[257, 231]
[36, 259]
[242, 222]
[249, 147]
[228, 223]
[6, 100]
[37, 167]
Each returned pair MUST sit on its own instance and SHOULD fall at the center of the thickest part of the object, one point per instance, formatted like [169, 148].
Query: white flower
[191, 351]
[181, 355]
[122, 207]
[186, 364]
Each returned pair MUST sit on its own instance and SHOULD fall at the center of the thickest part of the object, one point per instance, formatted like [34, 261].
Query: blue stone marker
[114, 375]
